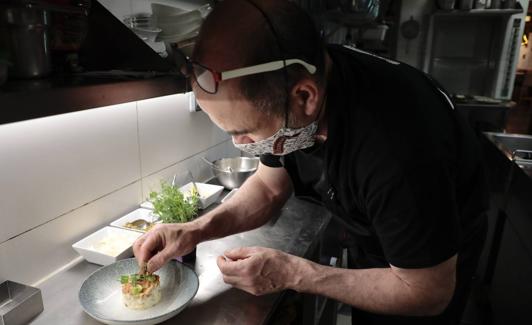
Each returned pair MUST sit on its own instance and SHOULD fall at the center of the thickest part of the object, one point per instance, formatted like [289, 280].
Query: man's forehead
[221, 48]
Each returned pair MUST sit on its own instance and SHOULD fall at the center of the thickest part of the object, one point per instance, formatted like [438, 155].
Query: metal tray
[19, 303]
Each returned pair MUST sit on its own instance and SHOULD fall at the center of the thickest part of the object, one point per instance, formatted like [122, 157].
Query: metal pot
[232, 172]
[25, 30]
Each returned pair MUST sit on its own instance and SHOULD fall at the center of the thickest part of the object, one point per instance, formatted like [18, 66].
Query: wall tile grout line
[70, 211]
[139, 151]
[188, 157]
[110, 193]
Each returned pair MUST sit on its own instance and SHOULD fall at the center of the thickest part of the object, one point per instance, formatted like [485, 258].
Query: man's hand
[164, 242]
[258, 270]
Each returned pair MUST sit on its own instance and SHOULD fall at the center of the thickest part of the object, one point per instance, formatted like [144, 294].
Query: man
[374, 140]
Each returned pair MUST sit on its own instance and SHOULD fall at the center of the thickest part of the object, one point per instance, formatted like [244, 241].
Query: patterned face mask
[283, 142]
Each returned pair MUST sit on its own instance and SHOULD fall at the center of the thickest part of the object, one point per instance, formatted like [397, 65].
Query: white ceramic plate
[107, 245]
[101, 296]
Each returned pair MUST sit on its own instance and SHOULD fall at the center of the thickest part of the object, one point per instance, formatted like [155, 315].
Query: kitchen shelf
[118, 67]
[481, 12]
[24, 100]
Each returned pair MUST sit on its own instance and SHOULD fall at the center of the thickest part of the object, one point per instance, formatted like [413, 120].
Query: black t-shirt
[400, 170]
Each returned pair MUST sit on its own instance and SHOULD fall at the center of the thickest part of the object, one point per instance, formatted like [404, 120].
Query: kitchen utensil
[141, 217]
[101, 297]
[446, 4]
[25, 30]
[410, 31]
[139, 224]
[232, 172]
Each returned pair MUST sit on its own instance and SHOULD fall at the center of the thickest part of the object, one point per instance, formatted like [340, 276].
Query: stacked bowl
[179, 27]
[144, 25]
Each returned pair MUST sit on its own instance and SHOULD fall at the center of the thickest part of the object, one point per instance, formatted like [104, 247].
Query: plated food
[101, 293]
[140, 291]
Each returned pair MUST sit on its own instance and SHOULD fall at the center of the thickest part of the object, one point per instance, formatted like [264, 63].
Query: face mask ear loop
[285, 73]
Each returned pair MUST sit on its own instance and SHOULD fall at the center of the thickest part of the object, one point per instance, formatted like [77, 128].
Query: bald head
[240, 33]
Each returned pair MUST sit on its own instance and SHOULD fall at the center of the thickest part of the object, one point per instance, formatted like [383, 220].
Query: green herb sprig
[172, 206]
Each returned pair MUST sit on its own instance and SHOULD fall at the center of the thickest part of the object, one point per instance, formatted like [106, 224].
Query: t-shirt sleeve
[271, 160]
[415, 215]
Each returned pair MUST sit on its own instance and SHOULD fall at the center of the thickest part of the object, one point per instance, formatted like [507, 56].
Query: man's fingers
[239, 253]
[136, 248]
[158, 260]
[230, 267]
[149, 245]
[235, 281]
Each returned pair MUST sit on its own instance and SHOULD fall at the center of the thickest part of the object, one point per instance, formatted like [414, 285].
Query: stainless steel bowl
[232, 172]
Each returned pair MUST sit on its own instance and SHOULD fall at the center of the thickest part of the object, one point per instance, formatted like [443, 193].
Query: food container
[147, 205]
[25, 30]
[19, 303]
[229, 195]
[107, 245]
[139, 214]
[232, 172]
[208, 193]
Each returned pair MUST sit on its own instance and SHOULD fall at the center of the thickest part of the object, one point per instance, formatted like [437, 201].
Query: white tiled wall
[50, 166]
[64, 176]
[169, 133]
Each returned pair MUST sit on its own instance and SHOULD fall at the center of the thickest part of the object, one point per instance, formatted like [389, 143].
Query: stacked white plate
[177, 24]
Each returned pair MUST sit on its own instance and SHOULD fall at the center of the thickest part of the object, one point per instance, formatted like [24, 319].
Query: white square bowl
[144, 214]
[147, 205]
[107, 245]
[208, 193]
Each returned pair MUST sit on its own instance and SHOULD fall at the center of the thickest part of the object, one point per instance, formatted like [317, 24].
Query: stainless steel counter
[294, 231]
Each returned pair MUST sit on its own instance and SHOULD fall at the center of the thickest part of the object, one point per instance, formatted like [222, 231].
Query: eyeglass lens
[204, 78]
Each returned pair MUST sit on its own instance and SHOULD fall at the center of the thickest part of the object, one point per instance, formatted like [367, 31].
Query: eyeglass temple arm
[266, 67]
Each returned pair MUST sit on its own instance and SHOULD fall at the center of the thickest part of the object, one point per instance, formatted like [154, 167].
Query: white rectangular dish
[139, 214]
[208, 193]
[147, 205]
[229, 195]
[107, 245]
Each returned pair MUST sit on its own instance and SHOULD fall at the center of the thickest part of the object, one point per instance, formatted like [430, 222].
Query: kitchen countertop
[295, 231]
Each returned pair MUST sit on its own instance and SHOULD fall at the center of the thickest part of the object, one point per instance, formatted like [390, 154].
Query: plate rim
[143, 319]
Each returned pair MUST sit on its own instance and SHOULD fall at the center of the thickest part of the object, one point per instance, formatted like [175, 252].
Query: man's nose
[242, 139]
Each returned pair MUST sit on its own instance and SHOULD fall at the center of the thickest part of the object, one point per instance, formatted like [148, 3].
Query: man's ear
[305, 96]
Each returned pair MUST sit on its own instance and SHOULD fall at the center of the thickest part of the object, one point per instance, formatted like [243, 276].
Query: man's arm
[394, 291]
[259, 198]
[397, 291]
